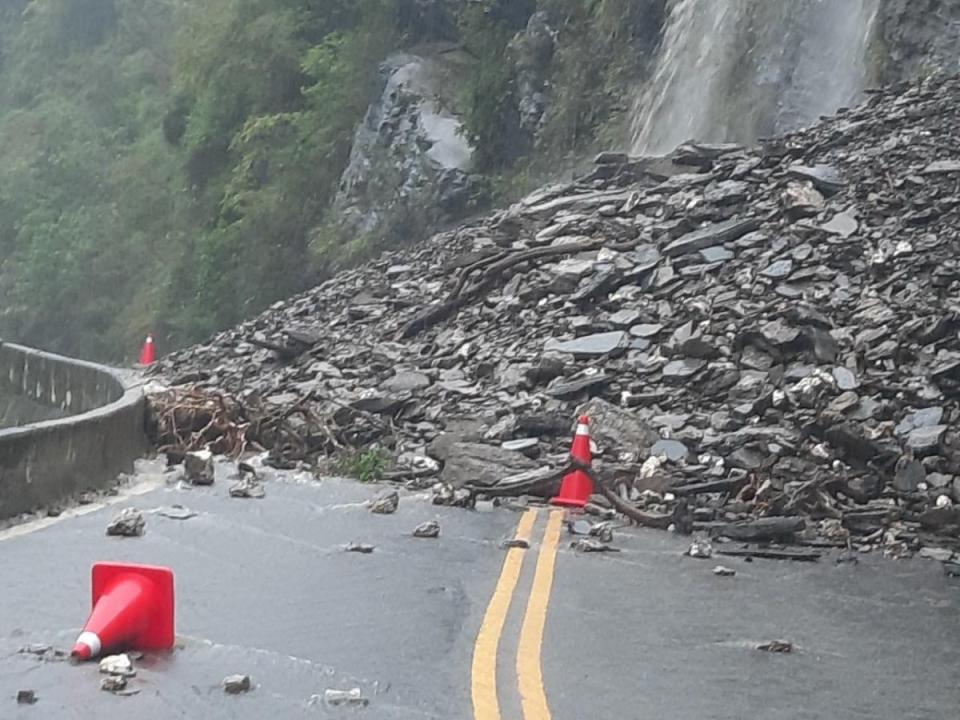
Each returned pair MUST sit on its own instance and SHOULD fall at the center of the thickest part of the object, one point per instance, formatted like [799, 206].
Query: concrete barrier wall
[23, 410]
[100, 436]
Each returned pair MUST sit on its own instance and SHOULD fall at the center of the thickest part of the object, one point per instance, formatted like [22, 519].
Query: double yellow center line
[533, 700]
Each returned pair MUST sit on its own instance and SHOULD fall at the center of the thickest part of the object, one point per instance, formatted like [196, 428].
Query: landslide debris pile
[777, 328]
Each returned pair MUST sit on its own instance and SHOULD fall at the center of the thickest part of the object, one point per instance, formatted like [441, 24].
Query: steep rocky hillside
[780, 323]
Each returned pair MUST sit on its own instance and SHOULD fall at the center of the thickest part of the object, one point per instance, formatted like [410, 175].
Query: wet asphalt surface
[264, 588]
[662, 638]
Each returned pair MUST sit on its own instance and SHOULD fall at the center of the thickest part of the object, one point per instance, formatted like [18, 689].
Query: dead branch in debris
[545, 481]
[186, 420]
[490, 270]
[712, 486]
[770, 554]
[759, 530]
[660, 521]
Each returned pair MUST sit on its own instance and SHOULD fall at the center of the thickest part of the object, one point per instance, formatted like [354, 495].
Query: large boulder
[410, 167]
[616, 429]
[468, 463]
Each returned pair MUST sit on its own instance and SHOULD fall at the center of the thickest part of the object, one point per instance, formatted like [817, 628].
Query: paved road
[459, 628]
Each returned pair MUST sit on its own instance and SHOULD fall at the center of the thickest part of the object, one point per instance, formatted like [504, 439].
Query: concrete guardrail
[99, 436]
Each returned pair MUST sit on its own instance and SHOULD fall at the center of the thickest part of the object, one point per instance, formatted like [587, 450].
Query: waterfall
[737, 70]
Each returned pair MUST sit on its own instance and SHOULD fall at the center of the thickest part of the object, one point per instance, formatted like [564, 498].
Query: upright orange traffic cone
[132, 609]
[148, 354]
[577, 487]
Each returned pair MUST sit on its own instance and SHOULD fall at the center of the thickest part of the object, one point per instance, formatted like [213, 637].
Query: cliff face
[527, 90]
[917, 37]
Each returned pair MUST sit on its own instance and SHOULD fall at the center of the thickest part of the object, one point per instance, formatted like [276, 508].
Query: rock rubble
[779, 327]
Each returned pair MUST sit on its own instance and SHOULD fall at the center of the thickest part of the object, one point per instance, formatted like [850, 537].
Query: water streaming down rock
[736, 70]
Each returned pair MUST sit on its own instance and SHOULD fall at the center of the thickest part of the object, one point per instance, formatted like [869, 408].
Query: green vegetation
[167, 160]
[365, 466]
[489, 101]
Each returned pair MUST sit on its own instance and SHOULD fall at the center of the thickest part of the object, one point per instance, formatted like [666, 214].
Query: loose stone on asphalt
[129, 523]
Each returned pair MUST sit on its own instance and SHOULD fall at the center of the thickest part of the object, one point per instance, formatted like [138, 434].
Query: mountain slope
[785, 318]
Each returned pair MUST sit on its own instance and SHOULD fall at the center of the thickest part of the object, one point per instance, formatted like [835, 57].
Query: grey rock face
[410, 166]
[532, 54]
[920, 36]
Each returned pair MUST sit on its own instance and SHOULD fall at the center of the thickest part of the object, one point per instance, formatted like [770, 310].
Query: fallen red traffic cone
[132, 610]
[577, 487]
[149, 352]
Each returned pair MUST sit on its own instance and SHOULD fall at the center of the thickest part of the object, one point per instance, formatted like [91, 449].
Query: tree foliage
[166, 160]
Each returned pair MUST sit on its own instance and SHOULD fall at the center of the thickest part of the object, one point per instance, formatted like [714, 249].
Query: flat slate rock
[842, 224]
[845, 379]
[927, 438]
[715, 234]
[406, 381]
[590, 345]
[673, 450]
[682, 369]
[941, 167]
[825, 178]
[927, 417]
[647, 330]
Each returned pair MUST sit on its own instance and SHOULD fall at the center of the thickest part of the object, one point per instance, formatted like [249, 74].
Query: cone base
[568, 502]
[575, 490]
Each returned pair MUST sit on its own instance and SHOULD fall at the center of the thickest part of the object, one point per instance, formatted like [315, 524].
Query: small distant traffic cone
[132, 610]
[577, 487]
[148, 354]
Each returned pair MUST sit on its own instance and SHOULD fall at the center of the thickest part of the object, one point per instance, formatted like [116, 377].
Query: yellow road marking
[533, 699]
[484, 671]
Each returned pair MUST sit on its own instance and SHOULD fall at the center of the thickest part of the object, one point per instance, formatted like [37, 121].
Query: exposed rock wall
[653, 73]
[917, 37]
[410, 168]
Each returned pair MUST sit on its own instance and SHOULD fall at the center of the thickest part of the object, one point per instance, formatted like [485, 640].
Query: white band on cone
[91, 641]
[583, 429]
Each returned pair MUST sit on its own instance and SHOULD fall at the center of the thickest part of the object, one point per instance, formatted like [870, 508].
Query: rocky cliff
[531, 88]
